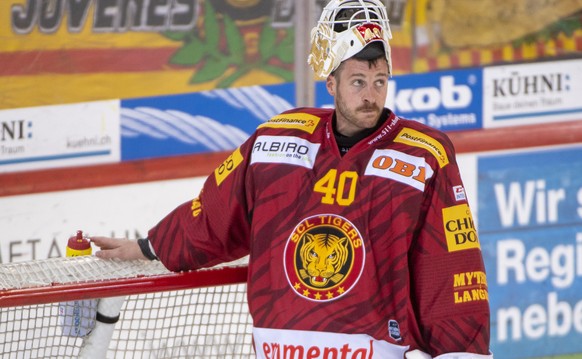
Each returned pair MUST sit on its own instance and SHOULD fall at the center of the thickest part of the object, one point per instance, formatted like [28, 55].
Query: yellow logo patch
[300, 121]
[228, 166]
[459, 228]
[324, 257]
[470, 287]
[414, 138]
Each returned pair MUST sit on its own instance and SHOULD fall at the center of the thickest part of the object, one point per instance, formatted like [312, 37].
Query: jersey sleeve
[449, 285]
[212, 228]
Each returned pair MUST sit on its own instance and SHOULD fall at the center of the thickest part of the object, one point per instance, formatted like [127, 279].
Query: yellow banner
[60, 51]
[57, 51]
[461, 33]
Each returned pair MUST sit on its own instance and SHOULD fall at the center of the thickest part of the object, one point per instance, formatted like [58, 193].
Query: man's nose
[368, 95]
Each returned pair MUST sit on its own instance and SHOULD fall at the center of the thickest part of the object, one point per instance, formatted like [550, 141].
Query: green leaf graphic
[210, 71]
[285, 50]
[189, 54]
[211, 28]
[267, 41]
[234, 40]
[230, 80]
[202, 46]
[175, 35]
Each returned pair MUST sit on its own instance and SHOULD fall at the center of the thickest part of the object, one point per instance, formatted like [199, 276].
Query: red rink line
[77, 61]
[27, 182]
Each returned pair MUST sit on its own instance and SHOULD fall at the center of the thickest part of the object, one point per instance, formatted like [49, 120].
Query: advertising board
[59, 136]
[530, 226]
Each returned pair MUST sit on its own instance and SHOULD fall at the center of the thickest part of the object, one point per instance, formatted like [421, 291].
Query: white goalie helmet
[344, 29]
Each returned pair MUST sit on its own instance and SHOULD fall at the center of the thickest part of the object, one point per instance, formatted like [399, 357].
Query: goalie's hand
[117, 248]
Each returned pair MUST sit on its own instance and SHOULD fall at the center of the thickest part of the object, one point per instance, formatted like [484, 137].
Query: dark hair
[372, 53]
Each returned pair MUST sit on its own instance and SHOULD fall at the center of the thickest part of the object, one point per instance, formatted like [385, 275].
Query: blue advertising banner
[220, 120]
[447, 100]
[530, 224]
[212, 121]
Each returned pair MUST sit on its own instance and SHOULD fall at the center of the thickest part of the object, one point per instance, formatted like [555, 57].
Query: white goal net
[64, 308]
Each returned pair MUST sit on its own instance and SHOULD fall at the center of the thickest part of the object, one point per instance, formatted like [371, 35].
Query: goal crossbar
[52, 279]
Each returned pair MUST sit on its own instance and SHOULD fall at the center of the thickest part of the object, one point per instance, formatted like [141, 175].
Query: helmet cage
[344, 29]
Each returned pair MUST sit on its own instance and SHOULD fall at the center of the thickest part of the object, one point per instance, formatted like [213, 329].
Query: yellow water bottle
[78, 316]
[78, 246]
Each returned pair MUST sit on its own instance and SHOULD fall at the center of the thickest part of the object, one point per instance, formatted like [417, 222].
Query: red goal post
[200, 314]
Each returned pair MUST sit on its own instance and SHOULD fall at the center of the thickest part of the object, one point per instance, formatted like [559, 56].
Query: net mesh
[210, 322]
[183, 329]
[47, 272]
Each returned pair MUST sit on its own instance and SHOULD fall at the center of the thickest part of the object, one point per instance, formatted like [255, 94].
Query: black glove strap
[144, 245]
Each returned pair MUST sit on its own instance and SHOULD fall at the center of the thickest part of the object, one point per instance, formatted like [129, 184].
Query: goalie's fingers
[117, 248]
[107, 242]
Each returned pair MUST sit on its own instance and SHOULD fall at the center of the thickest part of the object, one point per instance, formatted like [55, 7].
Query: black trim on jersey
[345, 143]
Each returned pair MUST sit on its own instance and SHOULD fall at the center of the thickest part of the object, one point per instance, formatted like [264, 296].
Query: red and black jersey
[376, 250]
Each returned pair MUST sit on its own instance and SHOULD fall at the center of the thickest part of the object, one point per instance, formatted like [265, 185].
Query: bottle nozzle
[78, 245]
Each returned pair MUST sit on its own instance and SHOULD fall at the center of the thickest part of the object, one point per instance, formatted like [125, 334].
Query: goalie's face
[360, 89]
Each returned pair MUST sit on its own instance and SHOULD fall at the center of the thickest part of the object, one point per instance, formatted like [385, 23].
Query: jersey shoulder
[418, 135]
[300, 120]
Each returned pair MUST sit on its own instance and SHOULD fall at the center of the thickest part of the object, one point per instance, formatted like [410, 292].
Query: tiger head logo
[322, 256]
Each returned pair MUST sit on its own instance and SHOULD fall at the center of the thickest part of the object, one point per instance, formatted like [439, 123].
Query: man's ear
[330, 84]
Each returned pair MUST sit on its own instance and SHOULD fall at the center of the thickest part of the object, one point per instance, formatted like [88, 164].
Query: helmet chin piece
[346, 29]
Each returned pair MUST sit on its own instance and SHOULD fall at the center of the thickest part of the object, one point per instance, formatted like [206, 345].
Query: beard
[362, 117]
